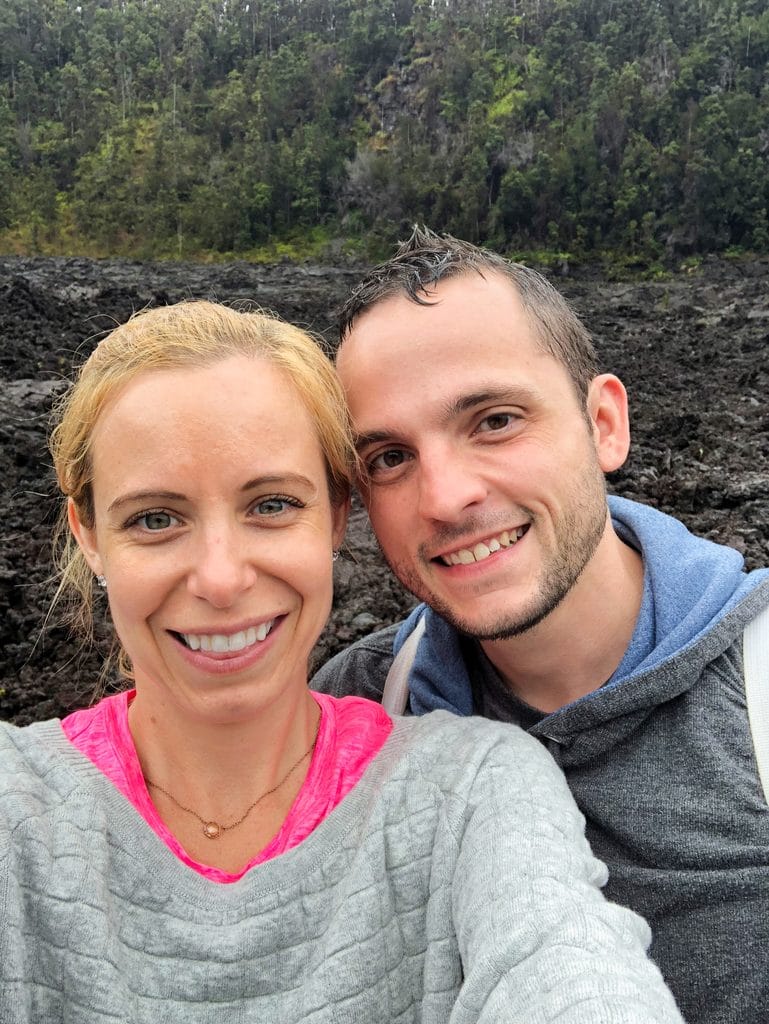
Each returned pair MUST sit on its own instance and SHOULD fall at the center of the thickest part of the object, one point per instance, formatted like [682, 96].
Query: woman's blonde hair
[188, 334]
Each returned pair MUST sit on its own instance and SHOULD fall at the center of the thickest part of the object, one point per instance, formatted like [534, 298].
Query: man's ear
[85, 537]
[608, 412]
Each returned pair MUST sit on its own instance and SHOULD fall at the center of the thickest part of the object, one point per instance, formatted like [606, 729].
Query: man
[607, 631]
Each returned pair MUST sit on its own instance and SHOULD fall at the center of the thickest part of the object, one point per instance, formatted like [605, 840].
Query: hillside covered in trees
[320, 127]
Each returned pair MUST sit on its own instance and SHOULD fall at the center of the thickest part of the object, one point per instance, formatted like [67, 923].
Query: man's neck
[576, 648]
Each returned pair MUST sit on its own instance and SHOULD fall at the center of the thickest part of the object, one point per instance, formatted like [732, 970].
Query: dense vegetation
[179, 127]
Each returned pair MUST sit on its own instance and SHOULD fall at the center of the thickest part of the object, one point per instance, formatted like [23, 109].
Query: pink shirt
[352, 732]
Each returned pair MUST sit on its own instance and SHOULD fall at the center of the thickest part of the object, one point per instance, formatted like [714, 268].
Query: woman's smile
[226, 643]
[227, 653]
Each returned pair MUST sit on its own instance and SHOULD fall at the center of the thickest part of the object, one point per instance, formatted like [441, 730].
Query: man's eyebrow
[375, 437]
[505, 393]
[494, 393]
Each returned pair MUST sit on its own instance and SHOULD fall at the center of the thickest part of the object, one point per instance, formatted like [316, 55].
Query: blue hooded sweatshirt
[690, 584]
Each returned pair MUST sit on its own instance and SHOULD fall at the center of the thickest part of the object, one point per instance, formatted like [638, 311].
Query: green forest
[324, 128]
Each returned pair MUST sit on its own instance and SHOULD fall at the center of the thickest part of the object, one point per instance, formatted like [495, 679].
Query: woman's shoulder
[473, 733]
[26, 745]
[442, 777]
[437, 727]
[439, 741]
[38, 769]
[463, 754]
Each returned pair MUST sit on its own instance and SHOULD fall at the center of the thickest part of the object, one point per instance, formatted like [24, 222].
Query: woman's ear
[339, 515]
[608, 411]
[85, 537]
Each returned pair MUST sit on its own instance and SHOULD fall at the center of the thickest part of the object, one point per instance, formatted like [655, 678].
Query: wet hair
[426, 258]
[188, 334]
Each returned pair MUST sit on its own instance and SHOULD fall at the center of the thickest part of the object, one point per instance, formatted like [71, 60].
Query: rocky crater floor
[693, 351]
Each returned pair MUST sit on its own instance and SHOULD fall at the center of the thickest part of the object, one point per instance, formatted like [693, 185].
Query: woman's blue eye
[270, 507]
[157, 520]
[274, 505]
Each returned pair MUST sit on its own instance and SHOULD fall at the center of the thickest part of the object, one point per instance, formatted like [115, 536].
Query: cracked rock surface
[693, 351]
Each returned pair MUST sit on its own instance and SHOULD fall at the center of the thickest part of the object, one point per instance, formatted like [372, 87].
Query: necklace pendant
[211, 830]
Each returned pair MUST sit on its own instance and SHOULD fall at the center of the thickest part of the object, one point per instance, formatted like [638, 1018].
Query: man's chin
[479, 622]
[476, 623]
[492, 629]
[492, 624]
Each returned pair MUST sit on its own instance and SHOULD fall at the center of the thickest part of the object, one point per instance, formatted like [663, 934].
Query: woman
[219, 843]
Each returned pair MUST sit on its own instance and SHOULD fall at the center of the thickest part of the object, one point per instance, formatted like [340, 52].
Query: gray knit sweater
[453, 884]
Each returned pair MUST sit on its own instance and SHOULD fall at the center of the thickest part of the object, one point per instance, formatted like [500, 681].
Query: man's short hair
[426, 258]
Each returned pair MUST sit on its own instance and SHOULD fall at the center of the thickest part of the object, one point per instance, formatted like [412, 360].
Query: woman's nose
[222, 569]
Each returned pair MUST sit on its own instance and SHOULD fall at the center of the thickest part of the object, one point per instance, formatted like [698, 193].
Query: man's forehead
[467, 309]
[462, 286]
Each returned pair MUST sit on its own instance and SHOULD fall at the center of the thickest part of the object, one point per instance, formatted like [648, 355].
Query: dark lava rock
[692, 351]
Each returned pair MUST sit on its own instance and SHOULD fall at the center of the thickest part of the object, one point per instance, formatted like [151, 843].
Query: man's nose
[223, 567]
[449, 485]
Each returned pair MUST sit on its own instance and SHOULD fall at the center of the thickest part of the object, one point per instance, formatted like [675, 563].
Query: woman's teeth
[222, 643]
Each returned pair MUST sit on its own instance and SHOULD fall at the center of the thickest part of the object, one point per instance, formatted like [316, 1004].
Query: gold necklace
[213, 829]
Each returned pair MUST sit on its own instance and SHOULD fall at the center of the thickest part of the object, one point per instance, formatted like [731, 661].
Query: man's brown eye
[391, 459]
[498, 421]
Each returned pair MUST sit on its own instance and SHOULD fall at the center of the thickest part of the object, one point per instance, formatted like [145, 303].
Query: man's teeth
[465, 556]
[221, 643]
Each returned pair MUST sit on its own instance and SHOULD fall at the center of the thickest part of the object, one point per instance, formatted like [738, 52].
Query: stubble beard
[576, 539]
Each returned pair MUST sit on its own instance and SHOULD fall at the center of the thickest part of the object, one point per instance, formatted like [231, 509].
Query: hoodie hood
[697, 599]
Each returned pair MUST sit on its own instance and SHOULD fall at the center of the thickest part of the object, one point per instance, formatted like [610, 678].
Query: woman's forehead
[175, 413]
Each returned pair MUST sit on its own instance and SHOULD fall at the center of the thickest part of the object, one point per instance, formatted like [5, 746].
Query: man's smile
[483, 549]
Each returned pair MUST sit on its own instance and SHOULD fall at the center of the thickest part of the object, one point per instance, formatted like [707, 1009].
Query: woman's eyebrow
[151, 496]
[271, 479]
